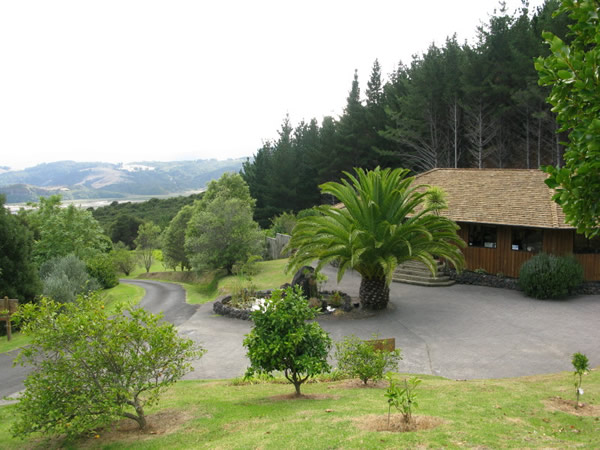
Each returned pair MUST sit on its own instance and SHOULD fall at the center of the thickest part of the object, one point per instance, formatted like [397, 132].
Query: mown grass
[18, 340]
[505, 413]
[122, 295]
[271, 274]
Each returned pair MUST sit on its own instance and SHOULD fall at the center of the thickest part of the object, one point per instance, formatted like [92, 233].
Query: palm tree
[383, 222]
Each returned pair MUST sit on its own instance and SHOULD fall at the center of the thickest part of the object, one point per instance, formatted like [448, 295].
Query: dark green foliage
[102, 267]
[283, 339]
[18, 273]
[454, 105]
[160, 211]
[550, 277]
[359, 359]
[124, 229]
[91, 367]
[65, 277]
[572, 71]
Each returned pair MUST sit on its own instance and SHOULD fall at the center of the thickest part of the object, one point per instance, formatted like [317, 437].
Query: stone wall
[485, 279]
[275, 246]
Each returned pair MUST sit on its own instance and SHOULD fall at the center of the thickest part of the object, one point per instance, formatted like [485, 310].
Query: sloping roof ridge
[476, 169]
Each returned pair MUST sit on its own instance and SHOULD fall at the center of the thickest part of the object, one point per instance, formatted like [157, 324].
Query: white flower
[580, 391]
[259, 304]
[330, 309]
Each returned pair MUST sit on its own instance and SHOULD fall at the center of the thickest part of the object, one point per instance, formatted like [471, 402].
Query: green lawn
[271, 274]
[505, 413]
[18, 340]
[122, 294]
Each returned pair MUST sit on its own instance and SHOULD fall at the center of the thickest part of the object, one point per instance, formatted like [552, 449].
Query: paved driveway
[459, 332]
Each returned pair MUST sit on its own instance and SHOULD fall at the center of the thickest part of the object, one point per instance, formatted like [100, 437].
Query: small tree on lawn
[283, 340]
[148, 240]
[123, 259]
[581, 365]
[90, 368]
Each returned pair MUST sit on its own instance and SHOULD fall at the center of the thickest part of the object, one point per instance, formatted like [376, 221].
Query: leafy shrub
[91, 367]
[283, 340]
[63, 278]
[102, 268]
[283, 223]
[402, 396]
[359, 359]
[550, 277]
[309, 212]
[123, 259]
[248, 268]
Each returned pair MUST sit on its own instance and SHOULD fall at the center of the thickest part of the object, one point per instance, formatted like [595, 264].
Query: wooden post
[10, 306]
[384, 345]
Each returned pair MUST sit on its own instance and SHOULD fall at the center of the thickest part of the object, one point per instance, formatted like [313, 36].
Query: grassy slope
[18, 340]
[481, 413]
[271, 275]
[122, 294]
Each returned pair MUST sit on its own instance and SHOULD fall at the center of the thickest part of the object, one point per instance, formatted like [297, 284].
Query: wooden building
[506, 216]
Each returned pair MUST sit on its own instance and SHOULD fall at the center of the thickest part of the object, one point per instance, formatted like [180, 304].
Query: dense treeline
[122, 220]
[453, 106]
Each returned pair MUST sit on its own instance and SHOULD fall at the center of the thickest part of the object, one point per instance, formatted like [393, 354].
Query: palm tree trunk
[374, 293]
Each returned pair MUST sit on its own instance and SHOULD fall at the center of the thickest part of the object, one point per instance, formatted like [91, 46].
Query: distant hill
[93, 180]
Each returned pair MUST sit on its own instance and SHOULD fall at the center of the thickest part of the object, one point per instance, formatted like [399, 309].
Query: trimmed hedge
[550, 277]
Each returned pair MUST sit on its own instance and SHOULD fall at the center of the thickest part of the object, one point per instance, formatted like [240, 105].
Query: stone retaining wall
[485, 279]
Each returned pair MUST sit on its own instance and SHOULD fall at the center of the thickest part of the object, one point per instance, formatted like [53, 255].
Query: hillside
[92, 180]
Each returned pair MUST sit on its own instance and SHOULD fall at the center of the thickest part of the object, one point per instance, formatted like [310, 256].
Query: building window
[482, 236]
[582, 244]
[527, 240]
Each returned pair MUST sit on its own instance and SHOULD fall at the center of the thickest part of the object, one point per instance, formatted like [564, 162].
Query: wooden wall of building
[508, 262]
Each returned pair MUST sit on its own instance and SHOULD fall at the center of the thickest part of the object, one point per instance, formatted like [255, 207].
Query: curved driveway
[459, 332]
[166, 298]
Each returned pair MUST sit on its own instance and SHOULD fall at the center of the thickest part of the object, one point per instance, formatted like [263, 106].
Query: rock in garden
[306, 279]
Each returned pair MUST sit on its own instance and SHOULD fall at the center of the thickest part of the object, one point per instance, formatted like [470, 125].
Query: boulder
[306, 279]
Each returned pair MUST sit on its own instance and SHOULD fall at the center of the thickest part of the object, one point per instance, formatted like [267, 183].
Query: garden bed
[330, 302]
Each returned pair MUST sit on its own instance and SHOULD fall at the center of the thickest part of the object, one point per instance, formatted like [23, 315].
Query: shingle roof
[497, 196]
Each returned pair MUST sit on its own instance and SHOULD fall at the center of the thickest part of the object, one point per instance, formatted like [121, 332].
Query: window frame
[473, 227]
[525, 249]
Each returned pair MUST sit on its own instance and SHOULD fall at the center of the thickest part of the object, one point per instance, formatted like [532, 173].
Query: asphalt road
[167, 298]
[458, 332]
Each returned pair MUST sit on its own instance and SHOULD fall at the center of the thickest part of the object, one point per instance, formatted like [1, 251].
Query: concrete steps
[415, 272]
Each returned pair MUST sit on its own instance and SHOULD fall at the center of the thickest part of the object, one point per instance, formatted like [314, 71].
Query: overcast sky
[123, 81]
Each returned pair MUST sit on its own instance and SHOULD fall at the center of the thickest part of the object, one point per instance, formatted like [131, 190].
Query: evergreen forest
[455, 105]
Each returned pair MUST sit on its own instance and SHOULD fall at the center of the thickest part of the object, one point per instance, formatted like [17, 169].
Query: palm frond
[384, 222]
